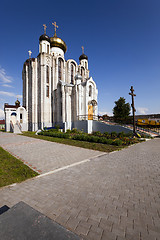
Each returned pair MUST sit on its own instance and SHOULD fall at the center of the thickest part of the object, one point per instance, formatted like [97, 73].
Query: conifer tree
[121, 111]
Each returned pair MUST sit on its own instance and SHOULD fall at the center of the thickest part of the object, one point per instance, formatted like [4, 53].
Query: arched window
[72, 77]
[47, 74]
[90, 91]
[48, 49]
[47, 91]
[13, 114]
[60, 69]
[82, 73]
[86, 65]
[40, 48]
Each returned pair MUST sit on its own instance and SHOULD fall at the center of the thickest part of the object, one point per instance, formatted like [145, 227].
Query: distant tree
[105, 117]
[121, 111]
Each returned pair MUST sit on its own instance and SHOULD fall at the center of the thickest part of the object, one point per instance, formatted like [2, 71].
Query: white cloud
[4, 78]
[101, 113]
[7, 85]
[10, 94]
[19, 96]
[1, 114]
[142, 110]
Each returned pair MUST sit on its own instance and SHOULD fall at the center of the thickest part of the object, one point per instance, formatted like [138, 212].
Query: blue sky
[120, 37]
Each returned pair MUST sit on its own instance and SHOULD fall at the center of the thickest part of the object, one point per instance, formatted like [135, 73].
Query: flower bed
[96, 137]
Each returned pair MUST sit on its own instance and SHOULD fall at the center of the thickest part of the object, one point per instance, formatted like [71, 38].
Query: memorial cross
[29, 53]
[44, 25]
[133, 108]
[55, 26]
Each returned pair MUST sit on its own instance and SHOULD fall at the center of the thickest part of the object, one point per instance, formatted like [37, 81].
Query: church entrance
[14, 118]
[90, 112]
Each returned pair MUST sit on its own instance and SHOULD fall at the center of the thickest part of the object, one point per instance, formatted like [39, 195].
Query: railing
[11, 126]
[19, 125]
[87, 117]
[149, 130]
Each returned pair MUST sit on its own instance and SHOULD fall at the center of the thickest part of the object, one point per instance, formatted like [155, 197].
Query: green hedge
[83, 137]
[114, 138]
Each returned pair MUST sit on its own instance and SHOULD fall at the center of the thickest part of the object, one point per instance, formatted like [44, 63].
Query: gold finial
[29, 53]
[55, 27]
[44, 25]
[82, 50]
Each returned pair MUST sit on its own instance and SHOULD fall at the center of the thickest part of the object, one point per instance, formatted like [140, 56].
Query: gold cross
[44, 25]
[82, 50]
[55, 26]
[29, 53]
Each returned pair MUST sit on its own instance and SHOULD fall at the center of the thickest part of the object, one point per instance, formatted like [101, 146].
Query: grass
[2, 130]
[94, 146]
[13, 170]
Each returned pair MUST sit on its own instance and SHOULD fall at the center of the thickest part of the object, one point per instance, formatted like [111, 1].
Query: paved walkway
[43, 156]
[113, 196]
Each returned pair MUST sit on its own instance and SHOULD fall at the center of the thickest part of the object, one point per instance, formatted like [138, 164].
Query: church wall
[81, 125]
[34, 97]
[39, 92]
[103, 127]
[30, 96]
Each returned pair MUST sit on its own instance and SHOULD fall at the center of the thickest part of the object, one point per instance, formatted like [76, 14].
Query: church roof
[58, 42]
[44, 37]
[83, 56]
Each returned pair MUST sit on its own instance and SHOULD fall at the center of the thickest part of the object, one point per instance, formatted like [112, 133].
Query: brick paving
[43, 156]
[113, 196]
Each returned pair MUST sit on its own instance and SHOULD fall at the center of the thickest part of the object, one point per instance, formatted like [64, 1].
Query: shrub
[117, 142]
[97, 133]
[106, 134]
[57, 127]
[68, 131]
[109, 141]
[104, 140]
[121, 134]
[113, 134]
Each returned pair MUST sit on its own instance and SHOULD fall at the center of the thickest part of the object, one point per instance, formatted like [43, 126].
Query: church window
[47, 72]
[47, 91]
[48, 49]
[40, 48]
[59, 69]
[71, 73]
[90, 91]
[13, 114]
[20, 116]
[82, 73]
[86, 65]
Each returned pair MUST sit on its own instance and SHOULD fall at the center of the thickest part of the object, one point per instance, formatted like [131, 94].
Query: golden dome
[58, 42]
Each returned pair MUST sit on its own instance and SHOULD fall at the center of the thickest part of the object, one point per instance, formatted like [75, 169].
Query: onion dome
[44, 37]
[83, 56]
[58, 42]
[17, 103]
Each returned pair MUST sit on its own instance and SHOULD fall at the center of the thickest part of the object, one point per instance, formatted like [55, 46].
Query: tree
[121, 110]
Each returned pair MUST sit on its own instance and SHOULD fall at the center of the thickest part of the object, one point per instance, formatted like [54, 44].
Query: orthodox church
[56, 91]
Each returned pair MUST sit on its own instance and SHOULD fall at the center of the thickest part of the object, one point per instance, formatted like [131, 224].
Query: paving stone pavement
[111, 197]
[43, 156]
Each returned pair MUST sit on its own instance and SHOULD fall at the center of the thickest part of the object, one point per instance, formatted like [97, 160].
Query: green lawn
[13, 170]
[83, 144]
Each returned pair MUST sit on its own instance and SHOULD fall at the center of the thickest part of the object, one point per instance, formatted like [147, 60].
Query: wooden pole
[133, 109]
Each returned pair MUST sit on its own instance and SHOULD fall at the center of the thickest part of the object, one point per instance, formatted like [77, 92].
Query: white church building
[56, 91]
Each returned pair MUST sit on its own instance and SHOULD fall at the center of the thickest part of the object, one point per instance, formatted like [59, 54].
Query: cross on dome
[55, 27]
[29, 53]
[44, 25]
[82, 50]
